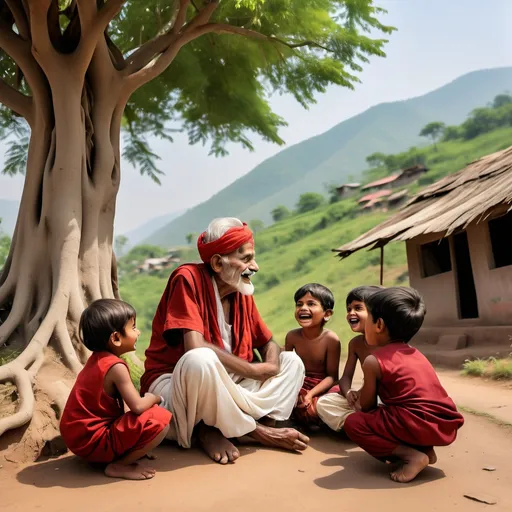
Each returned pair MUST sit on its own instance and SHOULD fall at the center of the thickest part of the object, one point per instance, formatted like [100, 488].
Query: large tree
[74, 74]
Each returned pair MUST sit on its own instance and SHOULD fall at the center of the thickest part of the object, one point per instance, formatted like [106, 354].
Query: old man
[200, 358]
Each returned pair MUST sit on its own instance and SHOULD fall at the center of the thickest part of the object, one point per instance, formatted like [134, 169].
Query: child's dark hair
[402, 309]
[319, 292]
[361, 293]
[101, 319]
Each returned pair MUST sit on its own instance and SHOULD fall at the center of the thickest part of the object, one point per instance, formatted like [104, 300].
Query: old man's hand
[264, 371]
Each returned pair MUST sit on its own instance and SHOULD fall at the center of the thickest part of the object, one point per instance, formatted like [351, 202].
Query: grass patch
[487, 416]
[492, 368]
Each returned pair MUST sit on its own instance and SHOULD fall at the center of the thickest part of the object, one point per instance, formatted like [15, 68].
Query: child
[333, 409]
[418, 413]
[94, 425]
[318, 348]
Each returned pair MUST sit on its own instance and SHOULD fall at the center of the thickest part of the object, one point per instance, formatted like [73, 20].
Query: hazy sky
[436, 41]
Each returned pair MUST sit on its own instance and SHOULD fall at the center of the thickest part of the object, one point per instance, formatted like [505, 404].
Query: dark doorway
[468, 303]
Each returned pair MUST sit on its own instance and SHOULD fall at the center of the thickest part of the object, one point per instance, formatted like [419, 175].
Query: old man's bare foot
[284, 438]
[216, 446]
[413, 462]
[133, 471]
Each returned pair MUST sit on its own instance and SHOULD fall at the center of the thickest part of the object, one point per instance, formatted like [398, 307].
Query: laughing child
[418, 413]
[333, 409]
[319, 349]
[94, 424]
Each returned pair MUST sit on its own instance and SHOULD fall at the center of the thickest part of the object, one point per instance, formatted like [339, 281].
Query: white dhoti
[333, 410]
[201, 389]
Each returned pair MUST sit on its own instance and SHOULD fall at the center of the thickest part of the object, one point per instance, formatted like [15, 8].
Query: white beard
[230, 276]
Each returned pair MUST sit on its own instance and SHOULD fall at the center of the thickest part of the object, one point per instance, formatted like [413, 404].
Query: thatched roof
[449, 204]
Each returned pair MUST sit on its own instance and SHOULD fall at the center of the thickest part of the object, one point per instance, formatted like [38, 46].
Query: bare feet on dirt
[285, 438]
[216, 446]
[432, 455]
[413, 462]
[133, 471]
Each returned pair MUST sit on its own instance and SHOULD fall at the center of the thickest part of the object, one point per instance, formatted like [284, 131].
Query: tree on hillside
[191, 237]
[433, 131]
[376, 159]
[452, 133]
[481, 120]
[256, 225]
[76, 72]
[279, 213]
[501, 100]
[310, 201]
[120, 244]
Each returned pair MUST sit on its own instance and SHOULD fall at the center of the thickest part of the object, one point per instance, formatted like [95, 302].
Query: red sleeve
[260, 332]
[182, 311]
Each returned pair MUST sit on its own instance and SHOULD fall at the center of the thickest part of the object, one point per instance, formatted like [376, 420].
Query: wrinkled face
[357, 315]
[309, 312]
[238, 268]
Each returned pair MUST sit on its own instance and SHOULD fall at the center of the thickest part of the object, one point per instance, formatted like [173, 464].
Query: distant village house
[396, 180]
[348, 190]
[155, 264]
[458, 234]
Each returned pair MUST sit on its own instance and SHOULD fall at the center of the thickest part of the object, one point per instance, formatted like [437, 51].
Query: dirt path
[489, 397]
[331, 473]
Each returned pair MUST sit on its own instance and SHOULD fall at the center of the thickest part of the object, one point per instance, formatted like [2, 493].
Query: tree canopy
[218, 86]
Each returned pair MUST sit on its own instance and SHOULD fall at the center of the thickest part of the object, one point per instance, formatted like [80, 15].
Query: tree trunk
[61, 259]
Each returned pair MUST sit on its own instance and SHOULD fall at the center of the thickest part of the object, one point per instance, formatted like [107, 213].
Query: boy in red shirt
[417, 414]
[94, 424]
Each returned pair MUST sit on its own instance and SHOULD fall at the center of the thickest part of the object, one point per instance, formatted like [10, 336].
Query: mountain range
[339, 153]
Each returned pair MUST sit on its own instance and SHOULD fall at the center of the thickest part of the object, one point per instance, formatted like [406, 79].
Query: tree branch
[16, 101]
[94, 22]
[181, 17]
[224, 28]
[141, 57]
[19, 50]
[20, 18]
[42, 47]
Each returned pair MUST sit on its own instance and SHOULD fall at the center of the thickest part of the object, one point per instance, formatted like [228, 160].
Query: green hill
[338, 153]
[297, 250]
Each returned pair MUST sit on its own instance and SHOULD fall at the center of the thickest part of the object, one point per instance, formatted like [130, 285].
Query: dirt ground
[332, 472]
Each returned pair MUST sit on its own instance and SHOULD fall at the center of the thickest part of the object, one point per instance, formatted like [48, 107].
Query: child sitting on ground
[318, 348]
[334, 408]
[94, 425]
[418, 413]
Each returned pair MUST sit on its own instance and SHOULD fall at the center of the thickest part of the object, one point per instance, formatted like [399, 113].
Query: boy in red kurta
[94, 425]
[318, 348]
[418, 413]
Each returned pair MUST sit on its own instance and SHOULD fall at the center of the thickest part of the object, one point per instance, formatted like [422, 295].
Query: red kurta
[189, 303]
[94, 425]
[418, 412]
[309, 416]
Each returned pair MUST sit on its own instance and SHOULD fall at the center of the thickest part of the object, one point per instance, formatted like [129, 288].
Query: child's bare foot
[216, 446]
[133, 471]
[150, 456]
[413, 462]
[432, 455]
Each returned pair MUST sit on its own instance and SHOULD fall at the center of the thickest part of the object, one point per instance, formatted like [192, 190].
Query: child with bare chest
[319, 349]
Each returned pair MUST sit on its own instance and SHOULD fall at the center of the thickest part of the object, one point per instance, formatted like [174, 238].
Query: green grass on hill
[297, 250]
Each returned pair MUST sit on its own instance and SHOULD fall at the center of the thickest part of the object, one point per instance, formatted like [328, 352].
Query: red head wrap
[230, 241]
